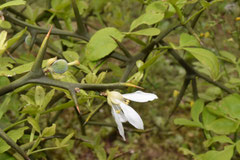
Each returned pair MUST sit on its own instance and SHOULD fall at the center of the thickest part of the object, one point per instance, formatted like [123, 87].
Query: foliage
[94, 46]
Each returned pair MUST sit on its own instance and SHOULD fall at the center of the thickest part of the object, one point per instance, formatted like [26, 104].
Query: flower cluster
[122, 112]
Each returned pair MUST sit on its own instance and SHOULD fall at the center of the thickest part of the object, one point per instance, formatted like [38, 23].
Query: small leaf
[186, 122]
[238, 146]
[39, 95]
[146, 32]
[101, 44]
[222, 126]
[220, 139]
[197, 109]
[49, 131]
[187, 40]
[4, 106]
[66, 139]
[225, 154]
[147, 18]
[70, 55]
[15, 38]
[228, 56]
[12, 3]
[186, 151]
[48, 98]
[100, 152]
[207, 117]
[231, 105]
[14, 135]
[34, 124]
[208, 59]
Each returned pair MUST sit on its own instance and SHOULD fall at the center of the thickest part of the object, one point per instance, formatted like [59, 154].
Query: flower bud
[76, 62]
[59, 66]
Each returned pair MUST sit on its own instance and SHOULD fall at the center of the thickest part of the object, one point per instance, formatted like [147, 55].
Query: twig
[11, 143]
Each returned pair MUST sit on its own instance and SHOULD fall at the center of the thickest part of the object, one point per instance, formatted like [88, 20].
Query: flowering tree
[75, 56]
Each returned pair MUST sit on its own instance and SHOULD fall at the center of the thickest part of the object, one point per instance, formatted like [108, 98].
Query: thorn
[49, 31]
[78, 109]
[133, 85]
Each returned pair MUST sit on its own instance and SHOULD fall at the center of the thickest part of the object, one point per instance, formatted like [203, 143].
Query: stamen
[127, 101]
[118, 111]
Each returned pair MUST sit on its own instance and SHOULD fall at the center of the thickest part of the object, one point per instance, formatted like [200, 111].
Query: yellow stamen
[127, 101]
[118, 111]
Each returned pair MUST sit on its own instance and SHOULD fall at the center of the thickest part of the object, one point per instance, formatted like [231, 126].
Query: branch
[11, 143]
[42, 30]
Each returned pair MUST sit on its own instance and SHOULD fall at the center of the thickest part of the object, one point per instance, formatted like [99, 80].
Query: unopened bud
[51, 61]
[76, 62]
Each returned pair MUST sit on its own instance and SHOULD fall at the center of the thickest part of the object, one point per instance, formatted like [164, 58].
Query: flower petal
[140, 96]
[119, 123]
[132, 116]
[120, 113]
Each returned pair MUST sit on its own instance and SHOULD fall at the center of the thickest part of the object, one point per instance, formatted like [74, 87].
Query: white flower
[122, 112]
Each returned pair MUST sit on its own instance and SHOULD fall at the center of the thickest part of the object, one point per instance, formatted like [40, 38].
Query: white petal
[120, 113]
[132, 116]
[119, 124]
[140, 96]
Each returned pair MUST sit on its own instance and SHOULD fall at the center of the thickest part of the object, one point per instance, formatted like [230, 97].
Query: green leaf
[228, 56]
[100, 152]
[3, 45]
[197, 109]
[157, 7]
[147, 18]
[187, 40]
[146, 32]
[39, 95]
[27, 99]
[4, 81]
[226, 154]
[5, 24]
[15, 38]
[230, 105]
[34, 124]
[48, 98]
[12, 3]
[4, 106]
[238, 146]
[101, 44]
[222, 126]
[66, 139]
[207, 117]
[14, 135]
[220, 139]
[186, 151]
[186, 122]
[112, 153]
[49, 131]
[208, 59]
[70, 55]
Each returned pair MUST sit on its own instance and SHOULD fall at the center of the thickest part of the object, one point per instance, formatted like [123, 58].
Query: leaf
[101, 44]
[12, 3]
[5, 24]
[208, 59]
[187, 40]
[39, 95]
[100, 152]
[5, 105]
[186, 151]
[226, 154]
[34, 124]
[228, 56]
[146, 32]
[222, 126]
[207, 117]
[66, 139]
[186, 122]
[220, 139]
[48, 98]
[49, 131]
[231, 105]
[70, 55]
[15, 38]
[147, 18]
[157, 7]
[27, 99]
[238, 146]
[14, 135]
[3, 45]
[197, 109]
